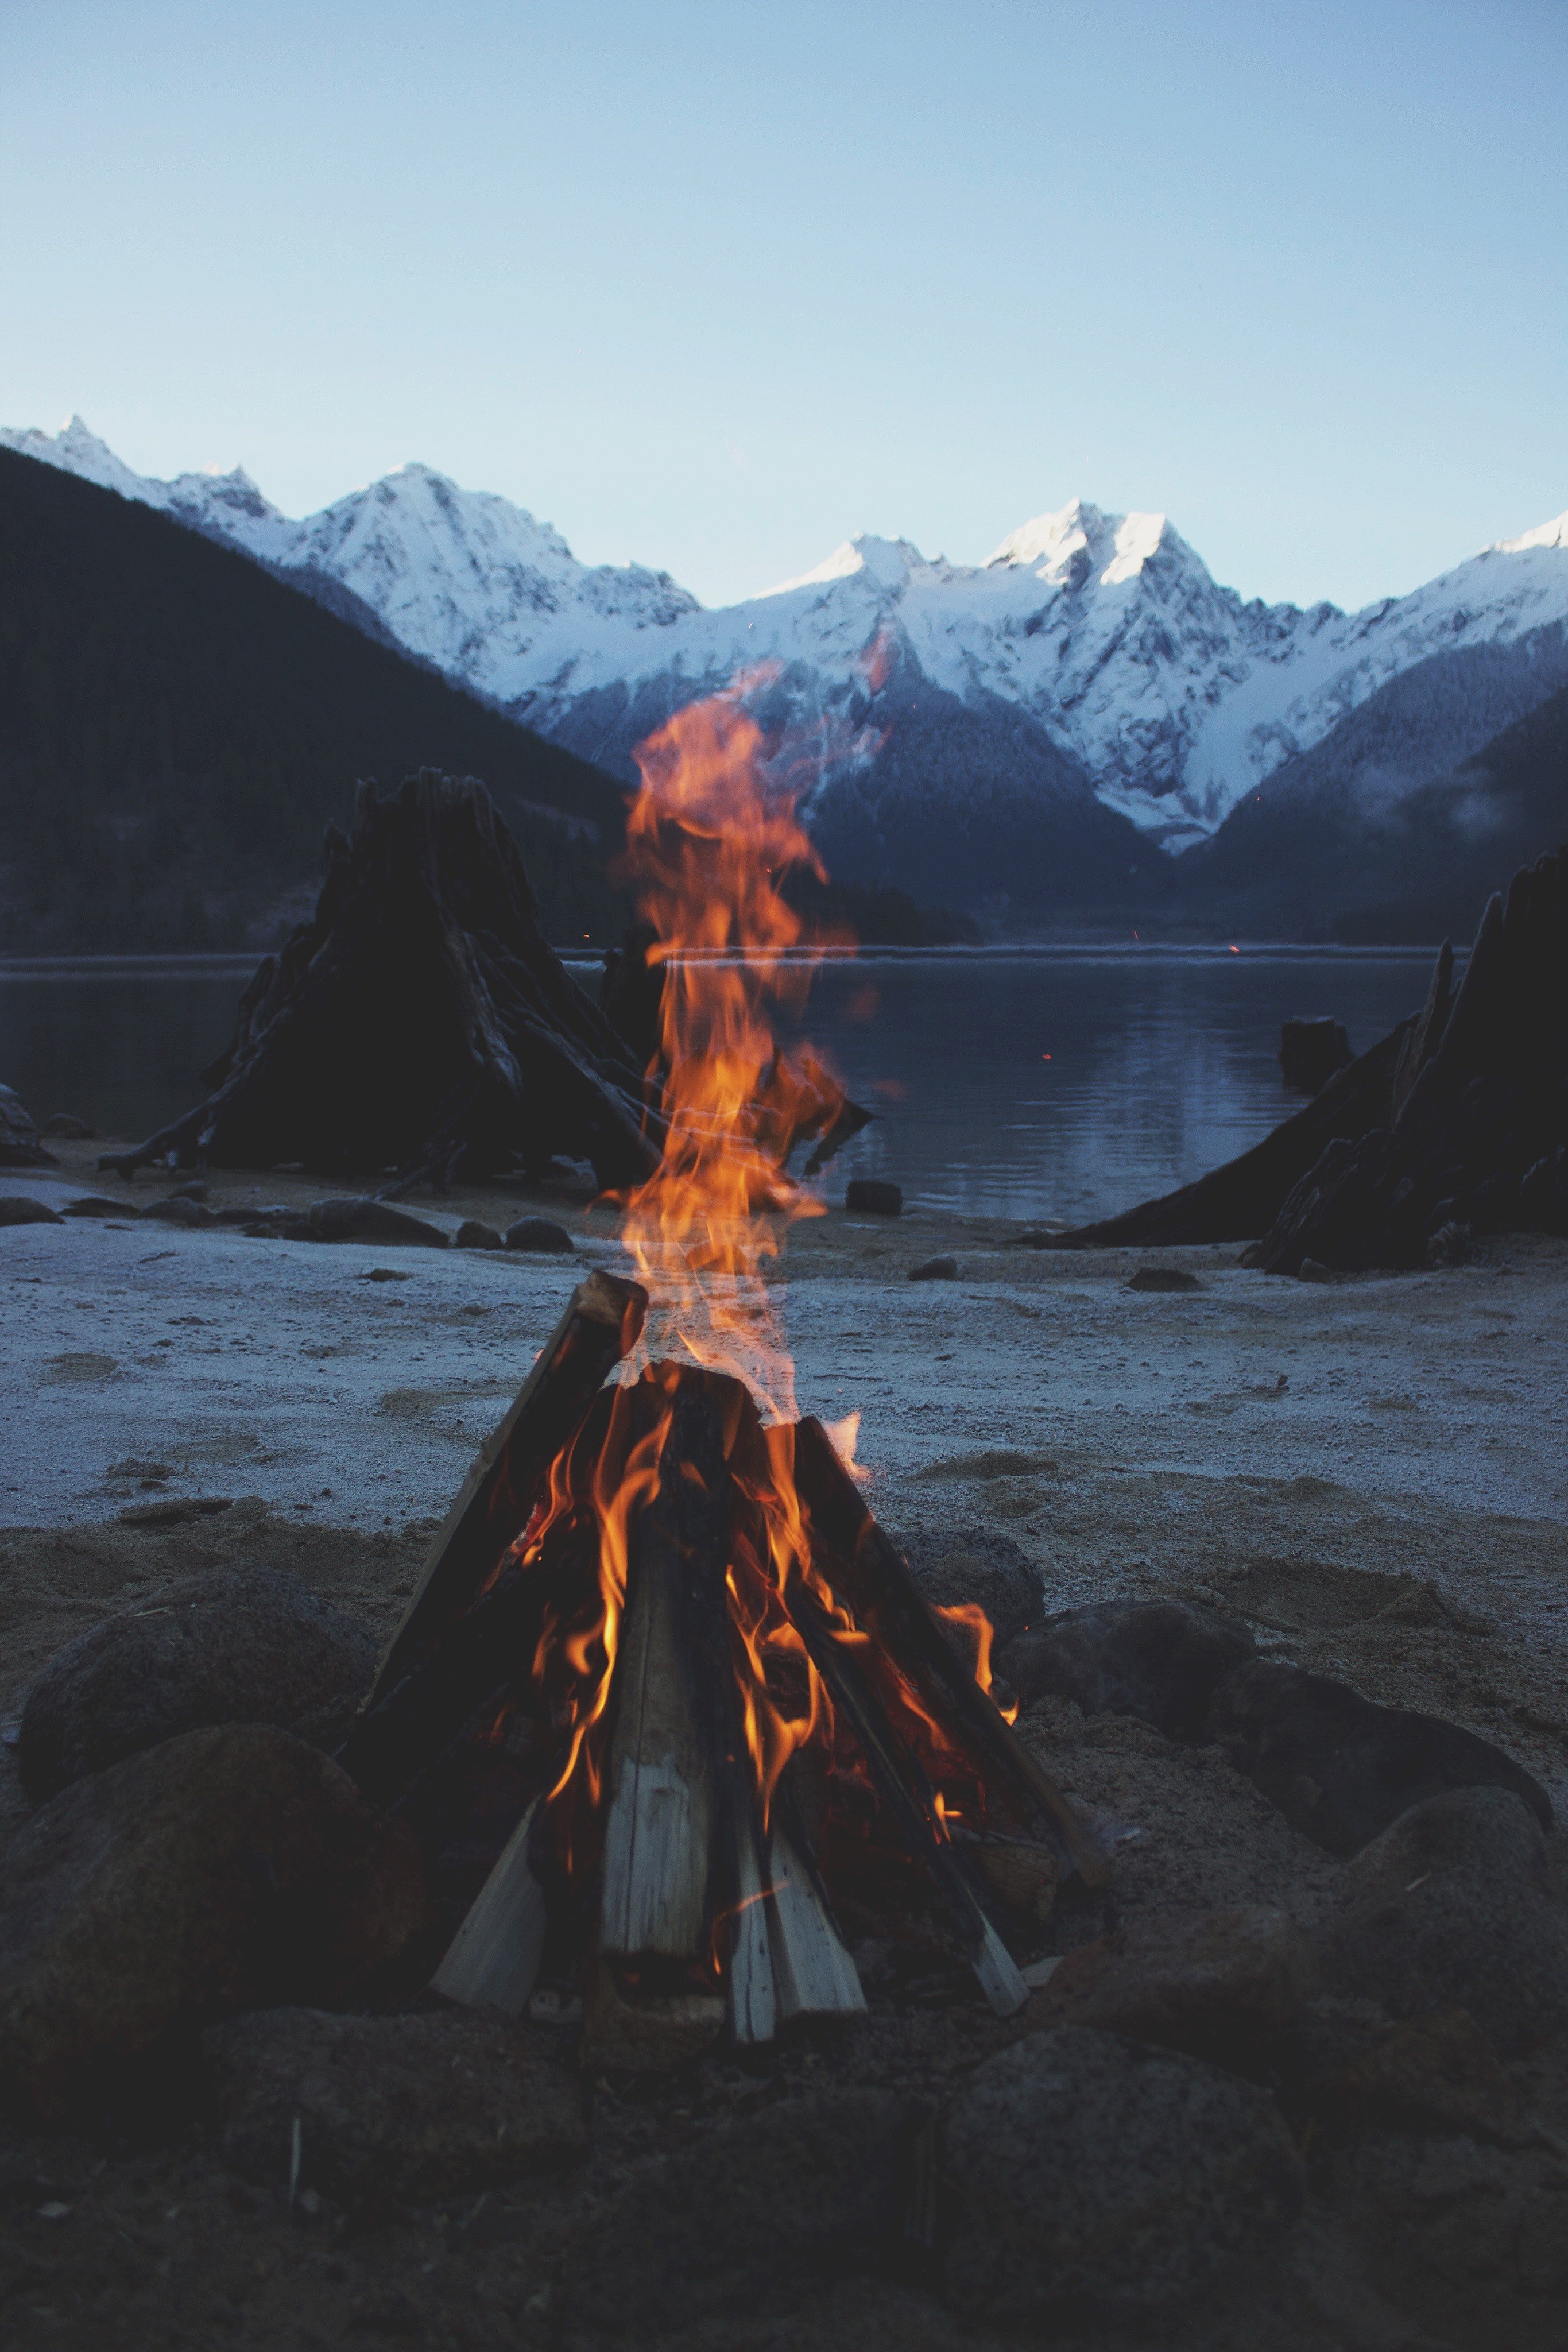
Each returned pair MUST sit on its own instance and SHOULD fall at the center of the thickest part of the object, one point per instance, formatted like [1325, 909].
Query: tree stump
[419, 1023]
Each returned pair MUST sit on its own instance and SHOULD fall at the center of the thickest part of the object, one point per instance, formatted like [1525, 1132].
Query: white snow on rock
[1176, 697]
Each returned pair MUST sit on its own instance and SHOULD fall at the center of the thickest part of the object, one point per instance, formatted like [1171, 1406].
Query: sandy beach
[1374, 1469]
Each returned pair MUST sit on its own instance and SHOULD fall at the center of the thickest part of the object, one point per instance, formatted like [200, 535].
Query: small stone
[135, 1466]
[1453, 1908]
[472, 1234]
[96, 1204]
[243, 1645]
[871, 1194]
[1091, 2171]
[383, 1274]
[540, 1234]
[194, 1190]
[1311, 1269]
[404, 2107]
[225, 1870]
[69, 1130]
[178, 1210]
[936, 1269]
[1163, 1277]
[355, 1218]
[16, 1209]
[175, 1510]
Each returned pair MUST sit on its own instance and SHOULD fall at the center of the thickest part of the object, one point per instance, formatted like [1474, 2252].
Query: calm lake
[1047, 1082]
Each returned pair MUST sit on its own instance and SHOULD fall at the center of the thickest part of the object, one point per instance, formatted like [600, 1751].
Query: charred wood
[602, 1322]
[870, 1574]
[909, 1795]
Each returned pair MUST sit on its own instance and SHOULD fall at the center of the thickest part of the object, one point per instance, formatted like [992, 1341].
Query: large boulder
[1341, 1768]
[243, 1645]
[1161, 1661]
[1453, 1907]
[407, 2108]
[1091, 2173]
[761, 2211]
[1229, 1985]
[354, 1217]
[228, 1869]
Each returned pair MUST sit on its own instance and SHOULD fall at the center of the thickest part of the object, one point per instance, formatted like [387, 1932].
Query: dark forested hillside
[1401, 822]
[176, 728]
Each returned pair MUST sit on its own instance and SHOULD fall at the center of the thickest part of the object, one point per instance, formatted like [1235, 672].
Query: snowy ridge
[1174, 696]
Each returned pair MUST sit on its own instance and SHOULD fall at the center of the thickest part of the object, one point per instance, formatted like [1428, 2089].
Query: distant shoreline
[1074, 947]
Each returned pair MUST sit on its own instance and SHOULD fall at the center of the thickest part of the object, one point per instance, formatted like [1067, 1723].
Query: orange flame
[709, 839]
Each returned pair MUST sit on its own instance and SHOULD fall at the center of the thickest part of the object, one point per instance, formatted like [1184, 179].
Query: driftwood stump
[1477, 1141]
[419, 1023]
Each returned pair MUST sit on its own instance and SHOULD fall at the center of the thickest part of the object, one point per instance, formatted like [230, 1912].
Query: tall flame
[709, 840]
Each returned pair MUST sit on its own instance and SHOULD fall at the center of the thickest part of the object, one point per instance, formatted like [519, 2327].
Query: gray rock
[17, 1210]
[1163, 1277]
[178, 1209]
[936, 1269]
[1437, 2074]
[96, 1204]
[1093, 2172]
[1339, 1767]
[472, 1234]
[1009, 1595]
[408, 2108]
[766, 2207]
[353, 1217]
[1453, 1908]
[225, 1870]
[69, 1130]
[540, 1234]
[1159, 1660]
[1228, 1986]
[241, 1645]
[870, 1194]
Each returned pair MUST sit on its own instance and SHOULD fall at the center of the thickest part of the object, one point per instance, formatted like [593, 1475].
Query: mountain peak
[1070, 544]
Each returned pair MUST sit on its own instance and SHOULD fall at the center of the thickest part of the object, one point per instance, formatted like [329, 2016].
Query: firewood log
[602, 1322]
[868, 1572]
[909, 1795]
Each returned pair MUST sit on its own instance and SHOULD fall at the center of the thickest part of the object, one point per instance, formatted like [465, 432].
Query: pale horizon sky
[715, 286]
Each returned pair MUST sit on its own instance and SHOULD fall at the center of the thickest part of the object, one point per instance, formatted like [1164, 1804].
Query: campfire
[667, 1704]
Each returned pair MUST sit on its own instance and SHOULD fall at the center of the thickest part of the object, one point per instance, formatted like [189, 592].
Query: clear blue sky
[716, 286]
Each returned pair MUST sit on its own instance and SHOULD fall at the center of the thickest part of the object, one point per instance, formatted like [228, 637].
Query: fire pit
[667, 1701]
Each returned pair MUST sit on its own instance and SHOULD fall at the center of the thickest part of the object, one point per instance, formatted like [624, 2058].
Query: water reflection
[1055, 1084]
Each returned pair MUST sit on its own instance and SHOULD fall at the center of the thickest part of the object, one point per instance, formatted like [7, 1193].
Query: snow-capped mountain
[1090, 656]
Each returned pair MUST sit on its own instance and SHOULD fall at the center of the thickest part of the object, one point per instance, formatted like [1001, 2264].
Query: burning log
[908, 1792]
[664, 1803]
[603, 1323]
[868, 1572]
